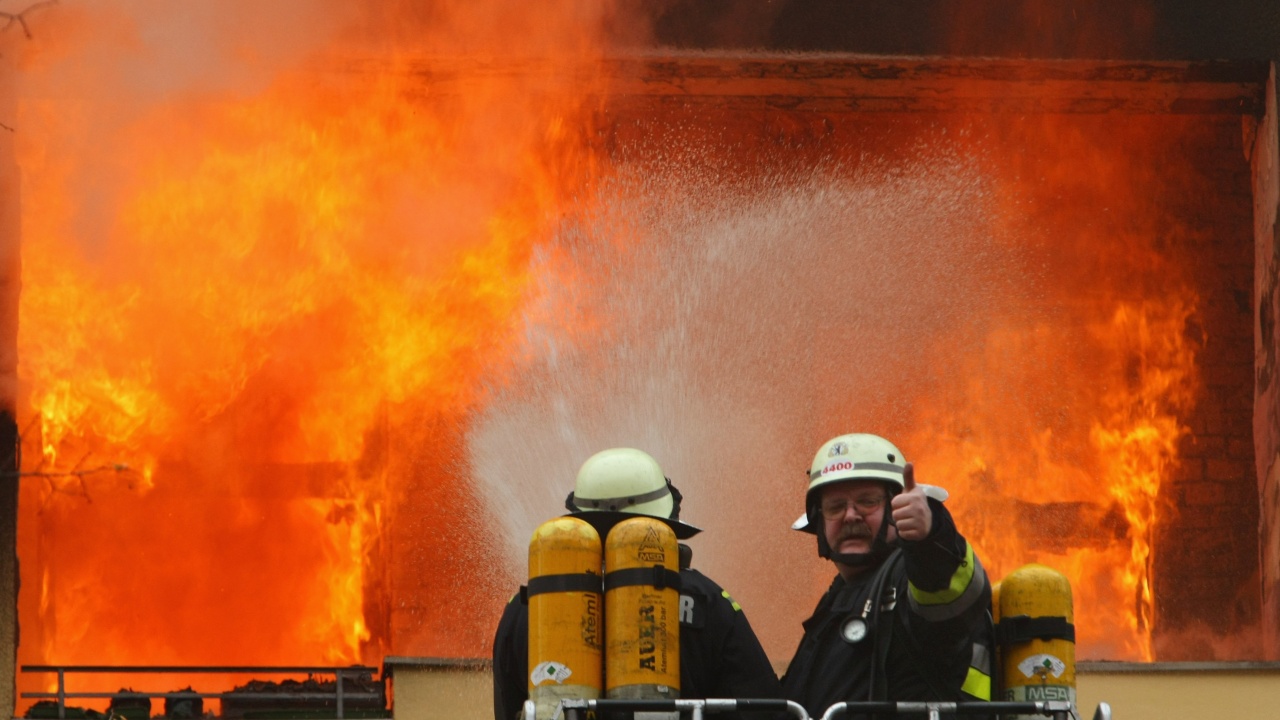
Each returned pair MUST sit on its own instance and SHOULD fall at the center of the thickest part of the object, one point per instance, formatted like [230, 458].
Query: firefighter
[720, 656]
[907, 617]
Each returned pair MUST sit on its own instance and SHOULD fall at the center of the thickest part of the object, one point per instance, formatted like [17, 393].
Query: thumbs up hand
[911, 513]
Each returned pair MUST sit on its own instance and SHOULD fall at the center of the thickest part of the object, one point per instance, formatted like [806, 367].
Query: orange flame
[276, 289]
[1078, 488]
[1139, 435]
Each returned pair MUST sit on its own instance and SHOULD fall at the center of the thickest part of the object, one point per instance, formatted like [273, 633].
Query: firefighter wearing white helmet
[626, 480]
[907, 617]
[720, 655]
[846, 458]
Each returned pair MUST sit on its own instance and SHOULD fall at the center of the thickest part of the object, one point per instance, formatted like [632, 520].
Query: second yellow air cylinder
[642, 605]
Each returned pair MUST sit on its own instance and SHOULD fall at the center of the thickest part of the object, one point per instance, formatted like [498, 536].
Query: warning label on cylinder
[1042, 664]
[549, 672]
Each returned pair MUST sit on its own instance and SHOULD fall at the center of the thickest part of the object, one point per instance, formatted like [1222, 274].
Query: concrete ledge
[425, 688]
[1158, 691]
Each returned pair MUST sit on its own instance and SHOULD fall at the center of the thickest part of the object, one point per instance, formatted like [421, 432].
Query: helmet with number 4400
[857, 456]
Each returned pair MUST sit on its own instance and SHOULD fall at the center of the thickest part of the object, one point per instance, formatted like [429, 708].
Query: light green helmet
[857, 456]
[618, 482]
[622, 480]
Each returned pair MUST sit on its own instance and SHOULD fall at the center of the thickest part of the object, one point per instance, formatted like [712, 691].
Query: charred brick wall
[1266, 413]
[1206, 560]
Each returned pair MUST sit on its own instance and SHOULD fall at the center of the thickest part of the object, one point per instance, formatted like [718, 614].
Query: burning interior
[304, 360]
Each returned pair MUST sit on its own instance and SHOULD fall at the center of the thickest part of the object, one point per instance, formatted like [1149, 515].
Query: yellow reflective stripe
[959, 583]
[734, 603]
[977, 684]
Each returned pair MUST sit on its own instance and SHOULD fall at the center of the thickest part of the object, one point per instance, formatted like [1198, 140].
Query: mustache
[859, 530]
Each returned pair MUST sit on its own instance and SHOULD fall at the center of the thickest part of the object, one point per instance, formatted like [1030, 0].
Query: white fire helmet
[622, 480]
[857, 456]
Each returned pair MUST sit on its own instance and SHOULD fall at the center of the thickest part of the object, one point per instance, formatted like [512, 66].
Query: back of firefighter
[907, 617]
[720, 656]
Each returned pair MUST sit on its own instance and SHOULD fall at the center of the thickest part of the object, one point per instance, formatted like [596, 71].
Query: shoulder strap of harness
[878, 687]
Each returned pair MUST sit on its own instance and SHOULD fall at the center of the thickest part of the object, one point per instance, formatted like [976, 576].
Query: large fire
[255, 326]
[240, 309]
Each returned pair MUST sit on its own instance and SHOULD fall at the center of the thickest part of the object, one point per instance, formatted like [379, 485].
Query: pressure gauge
[854, 630]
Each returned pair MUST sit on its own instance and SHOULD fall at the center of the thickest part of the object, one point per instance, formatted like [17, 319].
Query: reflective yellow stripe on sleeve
[977, 684]
[966, 587]
[959, 583]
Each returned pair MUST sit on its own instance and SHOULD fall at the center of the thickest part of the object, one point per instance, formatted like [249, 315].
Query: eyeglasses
[835, 508]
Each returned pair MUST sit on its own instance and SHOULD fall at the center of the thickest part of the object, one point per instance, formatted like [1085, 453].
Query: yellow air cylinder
[1037, 636]
[565, 623]
[642, 606]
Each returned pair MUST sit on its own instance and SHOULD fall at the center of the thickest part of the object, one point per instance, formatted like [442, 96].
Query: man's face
[852, 513]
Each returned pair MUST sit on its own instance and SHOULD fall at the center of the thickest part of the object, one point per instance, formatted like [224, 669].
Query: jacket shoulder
[691, 578]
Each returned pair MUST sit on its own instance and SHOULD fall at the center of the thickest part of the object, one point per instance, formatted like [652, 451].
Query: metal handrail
[574, 709]
[338, 672]
[1057, 709]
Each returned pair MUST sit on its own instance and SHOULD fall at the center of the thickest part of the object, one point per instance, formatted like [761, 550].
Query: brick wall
[1206, 557]
[1266, 424]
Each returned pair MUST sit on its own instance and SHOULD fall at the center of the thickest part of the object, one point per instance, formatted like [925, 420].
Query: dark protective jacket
[932, 640]
[720, 656]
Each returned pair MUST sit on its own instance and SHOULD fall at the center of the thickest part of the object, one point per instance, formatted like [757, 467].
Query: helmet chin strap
[880, 547]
